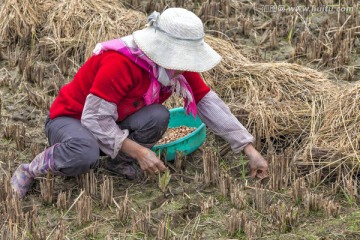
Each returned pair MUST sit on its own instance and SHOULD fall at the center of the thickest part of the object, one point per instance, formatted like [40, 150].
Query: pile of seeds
[173, 134]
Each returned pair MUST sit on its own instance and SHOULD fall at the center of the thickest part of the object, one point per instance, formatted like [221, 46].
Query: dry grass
[23, 21]
[232, 60]
[336, 140]
[341, 125]
[278, 101]
[82, 24]
[64, 32]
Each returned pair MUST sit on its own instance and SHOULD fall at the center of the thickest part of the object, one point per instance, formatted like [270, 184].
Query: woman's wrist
[249, 150]
[132, 148]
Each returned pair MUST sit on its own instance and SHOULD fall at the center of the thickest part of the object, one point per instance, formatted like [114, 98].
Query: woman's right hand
[149, 162]
[146, 158]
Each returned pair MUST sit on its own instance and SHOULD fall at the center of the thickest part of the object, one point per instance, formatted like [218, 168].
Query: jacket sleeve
[99, 117]
[218, 118]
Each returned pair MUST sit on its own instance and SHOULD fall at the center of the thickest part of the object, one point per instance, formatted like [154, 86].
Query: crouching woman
[113, 106]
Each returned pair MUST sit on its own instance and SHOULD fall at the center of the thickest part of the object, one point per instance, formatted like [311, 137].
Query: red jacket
[116, 79]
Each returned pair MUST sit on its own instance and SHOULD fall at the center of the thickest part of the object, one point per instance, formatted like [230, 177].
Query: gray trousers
[78, 151]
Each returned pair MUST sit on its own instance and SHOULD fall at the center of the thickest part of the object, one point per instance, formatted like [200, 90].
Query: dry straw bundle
[341, 126]
[71, 30]
[81, 24]
[278, 101]
[276, 81]
[21, 20]
[337, 140]
[232, 58]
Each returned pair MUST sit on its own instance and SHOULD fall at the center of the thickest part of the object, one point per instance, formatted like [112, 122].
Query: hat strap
[152, 20]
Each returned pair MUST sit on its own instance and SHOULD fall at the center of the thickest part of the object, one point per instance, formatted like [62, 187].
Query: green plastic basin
[184, 145]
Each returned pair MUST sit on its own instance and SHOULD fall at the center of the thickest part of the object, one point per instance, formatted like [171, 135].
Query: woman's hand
[258, 165]
[149, 162]
[146, 158]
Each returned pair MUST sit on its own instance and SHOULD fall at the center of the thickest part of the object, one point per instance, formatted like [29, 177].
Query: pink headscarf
[159, 77]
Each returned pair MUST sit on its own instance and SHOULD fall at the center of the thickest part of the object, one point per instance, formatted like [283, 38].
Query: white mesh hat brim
[172, 53]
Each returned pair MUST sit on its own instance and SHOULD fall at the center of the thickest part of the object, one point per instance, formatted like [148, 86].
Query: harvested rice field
[290, 73]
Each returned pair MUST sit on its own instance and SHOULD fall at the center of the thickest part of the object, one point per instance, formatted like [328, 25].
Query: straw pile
[341, 125]
[71, 30]
[288, 106]
[232, 60]
[82, 24]
[276, 100]
[22, 22]
[337, 140]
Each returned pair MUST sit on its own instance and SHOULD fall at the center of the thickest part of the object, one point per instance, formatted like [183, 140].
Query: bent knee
[84, 148]
[78, 156]
[160, 115]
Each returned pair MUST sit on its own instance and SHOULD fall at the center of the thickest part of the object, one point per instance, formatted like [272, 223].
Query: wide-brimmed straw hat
[175, 40]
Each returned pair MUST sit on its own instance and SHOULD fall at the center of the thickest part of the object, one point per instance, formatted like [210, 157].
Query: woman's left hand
[258, 165]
